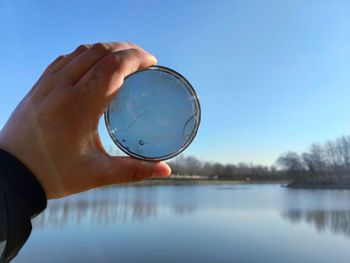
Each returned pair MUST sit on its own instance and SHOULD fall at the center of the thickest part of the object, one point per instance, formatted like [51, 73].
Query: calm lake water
[215, 223]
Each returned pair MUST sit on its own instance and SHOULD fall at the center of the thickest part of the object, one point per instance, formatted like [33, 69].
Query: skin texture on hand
[53, 130]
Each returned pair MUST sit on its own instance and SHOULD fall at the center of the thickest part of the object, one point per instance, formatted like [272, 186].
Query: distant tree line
[327, 163]
[190, 165]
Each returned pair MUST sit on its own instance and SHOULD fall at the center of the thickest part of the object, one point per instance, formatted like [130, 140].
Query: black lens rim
[190, 139]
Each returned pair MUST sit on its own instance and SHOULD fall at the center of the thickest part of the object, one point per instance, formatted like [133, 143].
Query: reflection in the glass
[155, 115]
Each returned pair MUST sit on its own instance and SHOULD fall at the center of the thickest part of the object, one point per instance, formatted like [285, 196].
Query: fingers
[78, 65]
[98, 87]
[50, 67]
[63, 60]
[125, 170]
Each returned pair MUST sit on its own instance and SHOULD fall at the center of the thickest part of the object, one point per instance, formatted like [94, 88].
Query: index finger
[100, 84]
[75, 68]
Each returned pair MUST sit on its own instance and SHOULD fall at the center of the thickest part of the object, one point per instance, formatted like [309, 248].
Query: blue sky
[272, 76]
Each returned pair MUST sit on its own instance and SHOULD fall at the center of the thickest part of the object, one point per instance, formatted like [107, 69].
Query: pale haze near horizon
[272, 76]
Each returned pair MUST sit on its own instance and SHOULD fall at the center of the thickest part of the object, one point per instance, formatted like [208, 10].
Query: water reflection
[204, 223]
[338, 222]
[108, 206]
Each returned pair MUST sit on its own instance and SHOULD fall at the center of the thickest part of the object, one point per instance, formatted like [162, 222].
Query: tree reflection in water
[337, 222]
[108, 206]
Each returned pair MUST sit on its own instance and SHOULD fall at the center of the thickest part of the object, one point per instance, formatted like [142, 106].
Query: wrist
[21, 149]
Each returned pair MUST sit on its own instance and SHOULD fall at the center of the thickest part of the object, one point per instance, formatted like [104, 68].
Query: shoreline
[319, 186]
[283, 183]
[174, 181]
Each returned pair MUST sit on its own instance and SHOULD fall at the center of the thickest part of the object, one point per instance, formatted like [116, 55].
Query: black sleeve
[21, 198]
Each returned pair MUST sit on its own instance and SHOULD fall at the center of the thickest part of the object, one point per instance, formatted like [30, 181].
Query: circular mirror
[155, 115]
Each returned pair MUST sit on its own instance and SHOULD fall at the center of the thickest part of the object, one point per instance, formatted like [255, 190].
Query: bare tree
[327, 164]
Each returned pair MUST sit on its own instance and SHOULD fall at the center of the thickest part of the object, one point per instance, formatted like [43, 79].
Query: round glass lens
[155, 115]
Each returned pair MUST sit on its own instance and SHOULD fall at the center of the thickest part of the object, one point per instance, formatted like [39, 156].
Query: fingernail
[158, 170]
[153, 58]
[161, 173]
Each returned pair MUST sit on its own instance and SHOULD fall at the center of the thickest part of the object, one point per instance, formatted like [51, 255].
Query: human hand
[54, 129]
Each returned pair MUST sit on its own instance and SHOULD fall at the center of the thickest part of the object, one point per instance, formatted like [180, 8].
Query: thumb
[119, 170]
